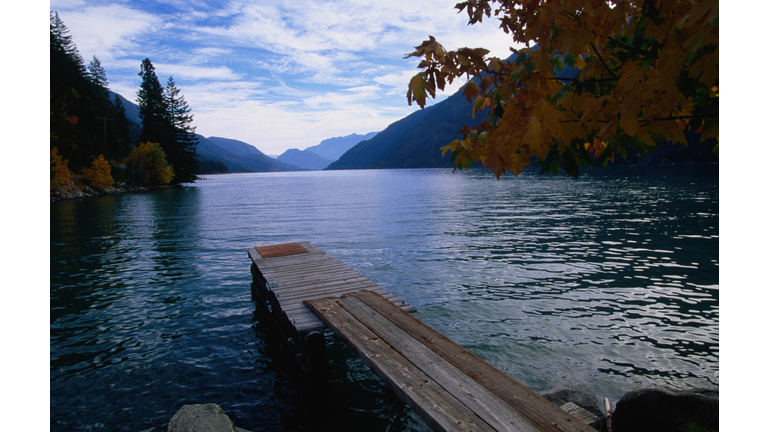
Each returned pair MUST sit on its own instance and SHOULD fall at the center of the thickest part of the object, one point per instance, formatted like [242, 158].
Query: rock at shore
[202, 418]
[662, 410]
[581, 394]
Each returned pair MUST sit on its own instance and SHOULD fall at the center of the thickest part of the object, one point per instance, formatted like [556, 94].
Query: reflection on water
[612, 278]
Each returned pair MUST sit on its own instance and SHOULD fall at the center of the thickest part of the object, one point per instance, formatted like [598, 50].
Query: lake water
[610, 279]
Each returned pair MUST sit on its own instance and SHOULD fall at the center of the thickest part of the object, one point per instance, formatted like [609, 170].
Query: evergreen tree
[184, 141]
[62, 41]
[75, 101]
[122, 136]
[166, 120]
[97, 74]
[152, 107]
[80, 106]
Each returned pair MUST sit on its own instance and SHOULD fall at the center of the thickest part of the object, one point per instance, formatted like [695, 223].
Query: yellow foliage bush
[147, 165]
[100, 173]
[60, 174]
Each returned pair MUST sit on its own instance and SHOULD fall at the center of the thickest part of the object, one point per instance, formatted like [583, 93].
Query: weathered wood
[322, 281]
[285, 281]
[439, 408]
[536, 409]
[486, 405]
[579, 412]
[285, 249]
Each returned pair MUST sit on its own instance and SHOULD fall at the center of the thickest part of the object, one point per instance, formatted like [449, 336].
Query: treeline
[90, 133]
[213, 167]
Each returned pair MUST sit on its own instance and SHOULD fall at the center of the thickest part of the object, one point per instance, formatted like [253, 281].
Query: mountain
[131, 109]
[414, 141]
[239, 148]
[132, 112]
[239, 156]
[304, 159]
[333, 148]
[207, 150]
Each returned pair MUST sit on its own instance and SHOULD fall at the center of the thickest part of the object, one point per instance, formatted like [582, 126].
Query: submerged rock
[662, 410]
[202, 418]
[581, 394]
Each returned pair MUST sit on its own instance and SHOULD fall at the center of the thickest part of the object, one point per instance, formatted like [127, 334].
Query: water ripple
[612, 279]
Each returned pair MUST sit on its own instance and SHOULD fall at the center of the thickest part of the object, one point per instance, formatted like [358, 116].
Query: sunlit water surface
[610, 279]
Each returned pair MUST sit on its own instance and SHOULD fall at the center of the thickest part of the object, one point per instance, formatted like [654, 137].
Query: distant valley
[414, 141]
[240, 156]
[320, 156]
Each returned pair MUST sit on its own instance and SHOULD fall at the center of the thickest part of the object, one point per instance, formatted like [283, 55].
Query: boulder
[663, 410]
[202, 418]
[581, 394]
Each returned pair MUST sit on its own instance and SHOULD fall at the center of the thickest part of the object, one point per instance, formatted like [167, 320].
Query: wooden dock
[451, 388]
[294, 272]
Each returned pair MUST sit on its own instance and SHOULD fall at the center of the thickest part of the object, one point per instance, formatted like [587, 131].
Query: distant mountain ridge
[333, 148]
[304, 159]
[240, 156]
[414, 141]
[320, 156]
[237, 155]
[239, 148]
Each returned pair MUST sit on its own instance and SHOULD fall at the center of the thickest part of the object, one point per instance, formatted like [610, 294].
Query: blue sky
[275, 74]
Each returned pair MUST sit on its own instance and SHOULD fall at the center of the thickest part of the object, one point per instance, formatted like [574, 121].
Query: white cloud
[107, 31]
[275, 127]
[354, 95]
[277, 74]
[194, 73]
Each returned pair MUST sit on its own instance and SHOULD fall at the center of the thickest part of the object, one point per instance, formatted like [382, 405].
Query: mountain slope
[237, 155]
[239, 148]
[253, 161]
[304, 159]
[415, 141]
[333, 148]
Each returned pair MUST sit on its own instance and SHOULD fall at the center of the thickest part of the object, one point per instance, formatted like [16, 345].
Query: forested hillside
[91, 135]
[413, 142]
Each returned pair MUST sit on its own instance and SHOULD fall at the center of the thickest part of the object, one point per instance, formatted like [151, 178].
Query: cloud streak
[276, 74]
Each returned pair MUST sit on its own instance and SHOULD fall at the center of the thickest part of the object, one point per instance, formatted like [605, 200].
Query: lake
[612, 279]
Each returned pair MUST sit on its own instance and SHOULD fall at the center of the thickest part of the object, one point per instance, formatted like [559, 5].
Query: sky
[276, 74]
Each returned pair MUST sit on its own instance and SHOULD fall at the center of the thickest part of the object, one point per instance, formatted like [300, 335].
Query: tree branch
[601, 59]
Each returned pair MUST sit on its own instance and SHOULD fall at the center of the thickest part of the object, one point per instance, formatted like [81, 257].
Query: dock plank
[486, 405]
[538, 410]
[296, 277]
[503, 403]
[451, 388]
[442, 411]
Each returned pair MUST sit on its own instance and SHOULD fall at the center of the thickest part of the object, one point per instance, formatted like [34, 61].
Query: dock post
[314, 344]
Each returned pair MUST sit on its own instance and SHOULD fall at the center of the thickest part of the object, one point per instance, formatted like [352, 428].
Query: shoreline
[78, 189]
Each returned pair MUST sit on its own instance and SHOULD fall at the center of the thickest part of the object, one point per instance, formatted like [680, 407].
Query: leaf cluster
[147, 165]
[60, 174]
[645, 71]
[100, 173]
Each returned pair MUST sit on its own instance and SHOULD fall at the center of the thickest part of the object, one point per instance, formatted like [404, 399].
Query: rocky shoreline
[643, 410]
[78, 189]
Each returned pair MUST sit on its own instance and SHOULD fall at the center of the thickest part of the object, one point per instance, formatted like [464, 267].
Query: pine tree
[184, 142]
[97, 74]
[75, 101]
[152, 107]
[122, 136]
[79, 104]
[62, 41]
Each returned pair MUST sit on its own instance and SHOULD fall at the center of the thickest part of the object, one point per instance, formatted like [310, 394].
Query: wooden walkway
[451, 388]
[294, 272]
